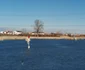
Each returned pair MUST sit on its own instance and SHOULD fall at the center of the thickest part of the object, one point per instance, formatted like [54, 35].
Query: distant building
[17, 32]
[1, 32]
[34, 33]
[9, 32]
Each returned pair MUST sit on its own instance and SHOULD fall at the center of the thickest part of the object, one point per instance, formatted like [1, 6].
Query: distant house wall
[17, 32]
[33, 33]
[1, 32]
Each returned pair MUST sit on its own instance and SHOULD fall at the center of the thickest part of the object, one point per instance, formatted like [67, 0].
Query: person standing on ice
[28, 41]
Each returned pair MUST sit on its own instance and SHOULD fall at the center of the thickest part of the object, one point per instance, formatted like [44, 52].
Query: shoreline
[25, 37]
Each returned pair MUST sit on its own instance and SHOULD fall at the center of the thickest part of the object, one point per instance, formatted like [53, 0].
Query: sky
[57, 15]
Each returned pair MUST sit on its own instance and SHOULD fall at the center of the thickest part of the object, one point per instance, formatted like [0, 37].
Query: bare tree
[38, 27]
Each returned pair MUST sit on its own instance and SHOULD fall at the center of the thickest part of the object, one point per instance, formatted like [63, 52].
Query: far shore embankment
[25, 37]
